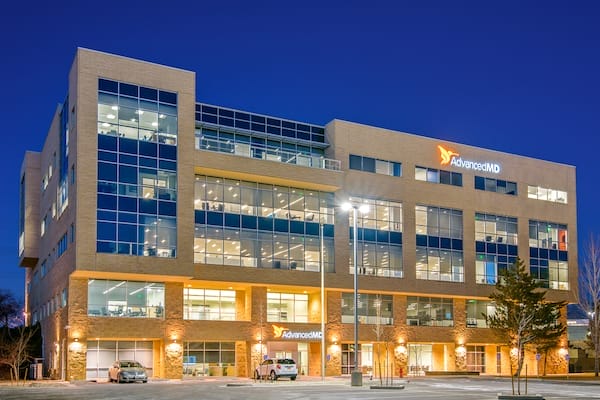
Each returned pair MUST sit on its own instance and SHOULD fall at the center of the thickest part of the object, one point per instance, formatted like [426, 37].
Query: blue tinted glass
[265, 224]
[129, 90]
[312, 228]
[257, 127]
[533, 252]
[490, 247]
[147, 93]
[503, 259]
[457, 244]
[397, 169]
[396, 237]
[147, 206]
[106, 231]
[543, 253]
[167, 97]
[168, 208]
[232, 220]
[168, 165]
[303, 136]
[243, 116]
[106, 215]
[258, 118]
[242, 124]
[534, 271]
[288, 133]
[127, 233]
[168, 152]
[128, 204]
[479, 247]
[421, 240]
[209, 109]
[513, 250]
[479, 183]
[200, 217]
[127, 159]
[281, 225]
[318, 138]
[214, 218]
[128, 217]
[107, 202]
[456, 179]
[355, 162]
[148, 162]
[563, 255]
[248, 222]
[106, 247]
[148, 149]
[107, 156]
[297, 227]
[273, 130]
[445, 243]
[369, 235]
[127, 145]
[107, 142]
[433, 241]
[108, 86]
[553, 254]
[212, 119]
[368, 164]
[128, 174]
[328, 230]
[533, 261]
[226, 121]
[107, 172]
[383, 236]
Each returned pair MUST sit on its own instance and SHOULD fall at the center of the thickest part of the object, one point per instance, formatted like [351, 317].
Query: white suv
[276, 368]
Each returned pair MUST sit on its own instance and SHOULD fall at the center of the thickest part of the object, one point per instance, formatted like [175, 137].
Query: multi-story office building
[193, 237]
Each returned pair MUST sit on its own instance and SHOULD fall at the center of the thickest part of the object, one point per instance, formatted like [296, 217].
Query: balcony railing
[266, 153]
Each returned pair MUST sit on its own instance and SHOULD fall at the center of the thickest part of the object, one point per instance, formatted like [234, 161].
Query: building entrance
[297, 351]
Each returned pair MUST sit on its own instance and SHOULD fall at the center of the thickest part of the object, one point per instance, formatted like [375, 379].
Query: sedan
[127, 371]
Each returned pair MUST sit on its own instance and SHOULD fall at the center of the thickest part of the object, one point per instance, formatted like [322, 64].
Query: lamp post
[322, 243]
[356, 377]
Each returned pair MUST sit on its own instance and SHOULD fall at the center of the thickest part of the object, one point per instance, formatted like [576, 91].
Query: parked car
[277, 368]
[127, 371]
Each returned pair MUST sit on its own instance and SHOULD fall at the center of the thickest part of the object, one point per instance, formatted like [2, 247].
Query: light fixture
[110, 116]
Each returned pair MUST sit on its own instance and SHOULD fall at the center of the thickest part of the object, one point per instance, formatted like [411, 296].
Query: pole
[356, 374]
[322, 304]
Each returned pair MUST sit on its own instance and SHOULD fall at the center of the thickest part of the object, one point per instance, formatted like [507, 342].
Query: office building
[193, 237]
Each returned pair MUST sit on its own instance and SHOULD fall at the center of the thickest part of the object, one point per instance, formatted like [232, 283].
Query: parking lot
[308, 388]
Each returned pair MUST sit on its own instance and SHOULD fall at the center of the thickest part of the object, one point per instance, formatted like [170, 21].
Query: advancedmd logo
[279, 332]
[450, 157]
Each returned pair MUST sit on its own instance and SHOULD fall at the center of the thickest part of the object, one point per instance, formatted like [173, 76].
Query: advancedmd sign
[449, 157]
[280, 332]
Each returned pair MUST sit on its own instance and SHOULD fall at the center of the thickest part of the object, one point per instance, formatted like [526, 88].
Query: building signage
[280, 332]
[450, 157]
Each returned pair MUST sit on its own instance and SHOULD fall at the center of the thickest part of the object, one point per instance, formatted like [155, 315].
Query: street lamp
[356, 377]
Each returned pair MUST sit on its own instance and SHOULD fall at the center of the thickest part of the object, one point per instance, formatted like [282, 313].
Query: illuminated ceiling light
[105, 124]
[162, 116]
[110, 116]
[115, 108]
[140, 112]
[155, 124]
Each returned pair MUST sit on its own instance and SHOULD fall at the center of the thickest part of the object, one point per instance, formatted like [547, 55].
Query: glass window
[110, 298]
[429, 311]
[208, 304]
[372, 309]
[287, 307]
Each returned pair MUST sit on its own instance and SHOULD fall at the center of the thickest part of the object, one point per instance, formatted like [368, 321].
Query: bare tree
[10, 309]
[15, 349]
[589, 294]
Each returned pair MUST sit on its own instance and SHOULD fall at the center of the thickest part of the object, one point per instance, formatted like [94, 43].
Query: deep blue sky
[521, 77]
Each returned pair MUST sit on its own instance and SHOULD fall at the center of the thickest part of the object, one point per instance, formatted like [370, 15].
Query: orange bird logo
[446, 155]
[278, 330]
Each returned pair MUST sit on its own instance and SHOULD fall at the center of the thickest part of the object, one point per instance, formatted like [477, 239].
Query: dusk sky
[520, 77]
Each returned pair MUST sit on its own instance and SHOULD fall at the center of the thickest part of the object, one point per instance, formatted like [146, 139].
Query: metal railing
[266, 153]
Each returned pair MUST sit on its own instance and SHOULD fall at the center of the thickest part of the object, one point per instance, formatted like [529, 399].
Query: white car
[127, 371]
[277, 368]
